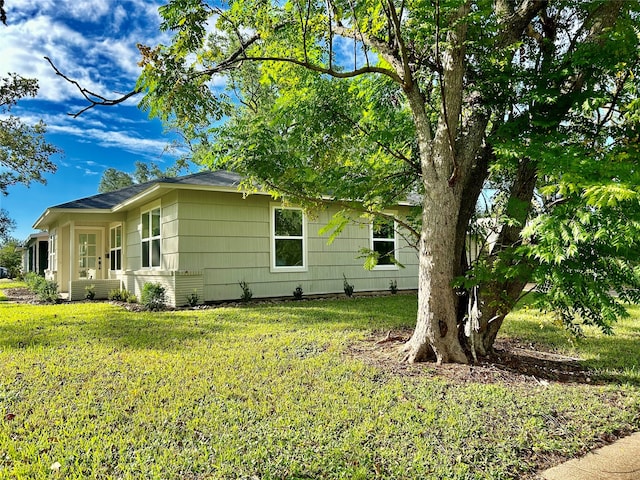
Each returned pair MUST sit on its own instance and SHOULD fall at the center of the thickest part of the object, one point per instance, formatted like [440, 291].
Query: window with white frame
[115, 248]
[150, 240]
[52, 251]
[384, 241]
[288, 242]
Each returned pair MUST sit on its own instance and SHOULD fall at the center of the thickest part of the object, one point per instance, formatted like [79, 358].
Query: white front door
[89, 258]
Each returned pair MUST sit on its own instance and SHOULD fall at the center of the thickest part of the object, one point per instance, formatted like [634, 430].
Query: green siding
[228, 238]
[213, 240]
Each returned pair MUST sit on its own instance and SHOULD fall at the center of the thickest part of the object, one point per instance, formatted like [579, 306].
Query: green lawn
[272, 392]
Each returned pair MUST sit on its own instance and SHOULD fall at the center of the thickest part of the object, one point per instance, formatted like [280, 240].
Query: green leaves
[24, 152]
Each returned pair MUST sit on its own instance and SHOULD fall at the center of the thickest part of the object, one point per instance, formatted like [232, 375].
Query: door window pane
[87, 255]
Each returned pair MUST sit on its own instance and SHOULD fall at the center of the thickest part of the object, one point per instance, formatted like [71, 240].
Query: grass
[614, 358]
[271, 392]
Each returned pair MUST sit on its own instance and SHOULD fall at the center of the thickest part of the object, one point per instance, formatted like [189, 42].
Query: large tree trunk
[436, 331]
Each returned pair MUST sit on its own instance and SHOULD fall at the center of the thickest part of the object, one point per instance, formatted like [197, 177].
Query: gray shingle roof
[219, 178]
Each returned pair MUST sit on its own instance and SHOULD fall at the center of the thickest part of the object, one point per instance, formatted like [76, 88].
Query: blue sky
[94, 42]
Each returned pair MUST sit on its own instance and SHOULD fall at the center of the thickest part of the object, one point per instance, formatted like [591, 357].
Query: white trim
[272, 240]
[372, 240]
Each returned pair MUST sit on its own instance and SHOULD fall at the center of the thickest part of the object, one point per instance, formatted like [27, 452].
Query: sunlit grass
[270, 391]
[7, 283]
[615, 357]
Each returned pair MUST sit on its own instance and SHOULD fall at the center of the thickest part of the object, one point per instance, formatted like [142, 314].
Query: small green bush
[246, 291]
[193, 298]
[153, 296]
[48, 292]
[90, 292]
[348, 288]
[34, 281]
[118, 295]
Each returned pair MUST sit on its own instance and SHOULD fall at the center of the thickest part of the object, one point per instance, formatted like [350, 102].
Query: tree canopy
[373, 100]
[24, 152]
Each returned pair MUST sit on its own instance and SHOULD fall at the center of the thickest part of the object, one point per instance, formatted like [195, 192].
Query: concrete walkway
[618, 461]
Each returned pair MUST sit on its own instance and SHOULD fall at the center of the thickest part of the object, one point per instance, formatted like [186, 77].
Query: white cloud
[120, 139]
[90, 41]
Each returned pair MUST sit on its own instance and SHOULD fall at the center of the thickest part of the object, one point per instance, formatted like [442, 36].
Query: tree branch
[232, 63]
[93, 98]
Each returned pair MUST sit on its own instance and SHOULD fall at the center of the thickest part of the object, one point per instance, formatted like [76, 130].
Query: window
[52, 252]
[151, 238]
[288, 249]
[383, 241]
[115, 250]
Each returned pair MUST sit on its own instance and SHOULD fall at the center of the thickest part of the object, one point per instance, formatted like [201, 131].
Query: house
[201, 233]
[35, 253]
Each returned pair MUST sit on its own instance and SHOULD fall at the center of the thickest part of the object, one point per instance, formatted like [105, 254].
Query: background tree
[113, 179]
[24, 152]
[10, 257]
[7, 225]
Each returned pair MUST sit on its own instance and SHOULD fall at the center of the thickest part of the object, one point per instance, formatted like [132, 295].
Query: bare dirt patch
[20, 295]
[513, 363]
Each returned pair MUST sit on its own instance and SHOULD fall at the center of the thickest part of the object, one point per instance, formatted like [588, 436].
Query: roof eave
[50, 214]
[158, 187]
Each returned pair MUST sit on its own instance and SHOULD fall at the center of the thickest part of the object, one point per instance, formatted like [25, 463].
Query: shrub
[246, 291]
[153, 296]
[33, 281]
[90, 292]
[297, 293]
[48, 292]
[348, 288]
[393, 286]
[192, 298]
[118, 295]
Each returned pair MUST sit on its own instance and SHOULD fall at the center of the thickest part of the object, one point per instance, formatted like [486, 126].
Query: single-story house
[201, 233]
[35, 253]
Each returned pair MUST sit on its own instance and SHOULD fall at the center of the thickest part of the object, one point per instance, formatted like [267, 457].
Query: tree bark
[436, 331]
